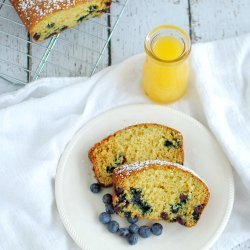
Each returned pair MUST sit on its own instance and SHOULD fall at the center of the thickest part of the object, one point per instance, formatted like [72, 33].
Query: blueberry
[95, 188]
[137, 200]
[119, 191]
[50, 25]
[132, 238]
[36, 36]
[107, 199]
[109, 208]
[82, 18]
[183, 198]
[93, 8]
[144, 231]
[181, 221]
[132, 220]
[104, 218]
[156, 229]
[110, 169]
[123, 232]
[197, 212]
[168, 143]
[63, 28]
[133, 228]
[173, 220]
[113, 226]
[108, 4]
[164, 215]
[175, 208]
[122, 198]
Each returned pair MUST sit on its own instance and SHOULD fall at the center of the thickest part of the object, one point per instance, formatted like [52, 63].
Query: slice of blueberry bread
[135, 143]
[159, 190]
[46, 18]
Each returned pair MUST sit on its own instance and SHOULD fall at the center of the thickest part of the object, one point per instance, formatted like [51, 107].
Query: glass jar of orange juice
[166, 69]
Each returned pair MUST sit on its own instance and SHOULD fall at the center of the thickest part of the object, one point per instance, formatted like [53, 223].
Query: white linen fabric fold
[37, 121]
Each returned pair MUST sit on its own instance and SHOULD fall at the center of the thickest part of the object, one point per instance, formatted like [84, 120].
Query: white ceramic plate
[79, 208]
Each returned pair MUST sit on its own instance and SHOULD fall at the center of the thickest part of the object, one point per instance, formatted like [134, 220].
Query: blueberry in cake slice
[159, 190]
[45, 18]
[135, 143]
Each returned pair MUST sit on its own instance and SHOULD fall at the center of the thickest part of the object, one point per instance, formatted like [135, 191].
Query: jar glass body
[166, 80]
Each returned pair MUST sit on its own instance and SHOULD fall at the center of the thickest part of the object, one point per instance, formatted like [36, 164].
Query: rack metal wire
[75, 52]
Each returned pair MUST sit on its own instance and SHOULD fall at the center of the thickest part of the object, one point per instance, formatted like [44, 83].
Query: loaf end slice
[44, 19]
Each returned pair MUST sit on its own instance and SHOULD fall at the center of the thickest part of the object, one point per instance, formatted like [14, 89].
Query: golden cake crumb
[135, 143]
[159, 190]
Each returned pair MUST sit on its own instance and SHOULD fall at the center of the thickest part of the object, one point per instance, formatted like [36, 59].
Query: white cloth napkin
[37, 121]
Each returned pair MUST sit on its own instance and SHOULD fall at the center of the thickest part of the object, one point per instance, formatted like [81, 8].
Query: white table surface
[204, 20]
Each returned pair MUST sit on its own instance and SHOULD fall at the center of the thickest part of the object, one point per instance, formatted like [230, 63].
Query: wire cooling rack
[80, 51]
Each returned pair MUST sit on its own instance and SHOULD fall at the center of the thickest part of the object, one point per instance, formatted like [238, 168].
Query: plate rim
[60, 170]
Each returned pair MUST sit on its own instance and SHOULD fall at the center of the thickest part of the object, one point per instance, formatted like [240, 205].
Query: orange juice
[168, 48]
[166, 69]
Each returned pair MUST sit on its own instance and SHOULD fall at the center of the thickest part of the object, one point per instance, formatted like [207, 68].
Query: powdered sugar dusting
[41, 8]
[135, 166]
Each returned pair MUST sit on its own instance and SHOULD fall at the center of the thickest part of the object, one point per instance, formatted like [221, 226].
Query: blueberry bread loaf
[45, 18]
[159, 190]
[135, 143]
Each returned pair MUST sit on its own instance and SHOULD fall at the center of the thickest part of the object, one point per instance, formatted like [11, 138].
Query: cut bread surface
[159, 190]
[135, 143]
[44, 19]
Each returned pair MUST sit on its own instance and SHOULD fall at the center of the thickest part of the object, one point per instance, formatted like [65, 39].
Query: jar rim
[186, 41]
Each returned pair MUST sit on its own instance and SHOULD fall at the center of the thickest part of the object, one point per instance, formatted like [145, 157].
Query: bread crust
[32, 12]
[118, 179]
[93, 158]
[31, 18]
